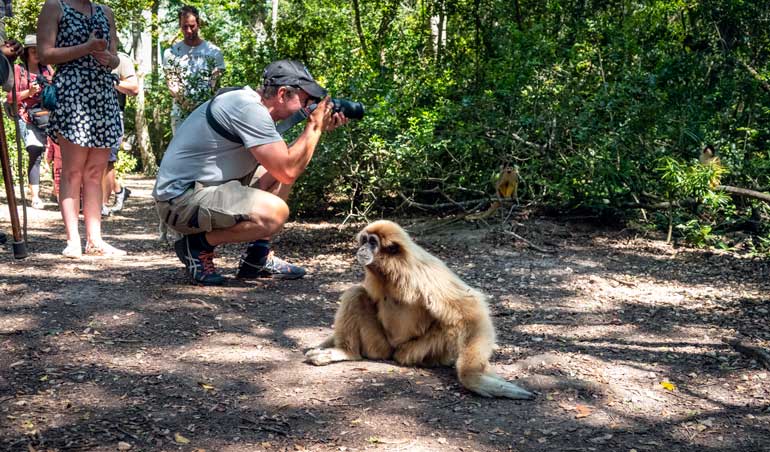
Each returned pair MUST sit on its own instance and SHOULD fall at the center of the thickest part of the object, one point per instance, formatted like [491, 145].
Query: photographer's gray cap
[292, 73]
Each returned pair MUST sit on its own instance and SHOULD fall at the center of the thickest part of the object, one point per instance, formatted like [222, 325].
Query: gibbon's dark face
[369, 245]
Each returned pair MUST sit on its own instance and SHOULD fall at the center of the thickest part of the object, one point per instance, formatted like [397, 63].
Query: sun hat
[30, 41]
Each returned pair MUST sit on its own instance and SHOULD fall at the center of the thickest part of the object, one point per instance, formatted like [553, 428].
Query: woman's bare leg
[73, 164]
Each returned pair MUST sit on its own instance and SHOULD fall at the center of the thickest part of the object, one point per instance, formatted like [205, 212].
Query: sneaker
[199, 264]
[120, 198]
[38, 204]
[273, 267]
[105, 211]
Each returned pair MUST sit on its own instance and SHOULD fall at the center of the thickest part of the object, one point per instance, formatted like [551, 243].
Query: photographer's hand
[337, 119]
[321, 117]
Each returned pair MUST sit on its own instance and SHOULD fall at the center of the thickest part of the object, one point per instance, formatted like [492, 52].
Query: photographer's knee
[271, 214]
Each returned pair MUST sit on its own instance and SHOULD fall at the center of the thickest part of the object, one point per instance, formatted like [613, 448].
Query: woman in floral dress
[79, 37]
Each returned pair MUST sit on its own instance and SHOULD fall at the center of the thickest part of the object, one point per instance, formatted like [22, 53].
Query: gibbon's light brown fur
[413, 309]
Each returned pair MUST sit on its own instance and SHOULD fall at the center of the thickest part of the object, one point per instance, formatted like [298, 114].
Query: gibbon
[411, 308]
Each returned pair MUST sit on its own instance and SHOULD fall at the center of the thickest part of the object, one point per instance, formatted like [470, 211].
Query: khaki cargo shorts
[205, 208]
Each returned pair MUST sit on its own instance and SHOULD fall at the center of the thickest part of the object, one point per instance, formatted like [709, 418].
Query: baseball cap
[292, 73]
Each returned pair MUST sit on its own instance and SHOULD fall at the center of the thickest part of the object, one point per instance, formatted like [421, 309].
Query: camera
[351, 109]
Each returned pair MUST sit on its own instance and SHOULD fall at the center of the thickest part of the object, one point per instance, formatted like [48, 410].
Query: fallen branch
[745, 192]
[530, 244]
[758, 353]
[691, 202]
[439, 206]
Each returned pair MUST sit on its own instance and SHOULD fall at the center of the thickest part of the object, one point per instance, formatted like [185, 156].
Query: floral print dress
[87, 111]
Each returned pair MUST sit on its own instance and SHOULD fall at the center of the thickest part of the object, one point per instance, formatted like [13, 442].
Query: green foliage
[600, 104]
[126, 164]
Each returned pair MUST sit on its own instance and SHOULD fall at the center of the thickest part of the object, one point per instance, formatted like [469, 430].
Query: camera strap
[282, 127]
[219, 128]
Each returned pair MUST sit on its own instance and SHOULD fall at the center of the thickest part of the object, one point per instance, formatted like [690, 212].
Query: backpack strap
[218, 128]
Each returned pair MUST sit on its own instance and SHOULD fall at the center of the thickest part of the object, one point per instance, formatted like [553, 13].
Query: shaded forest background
[602, 106]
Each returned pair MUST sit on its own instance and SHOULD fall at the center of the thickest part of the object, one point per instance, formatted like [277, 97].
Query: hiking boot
[199, 264]
[120, 198]
[272, 267]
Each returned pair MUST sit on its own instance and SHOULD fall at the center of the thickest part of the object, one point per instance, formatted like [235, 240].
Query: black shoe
[3, 238]
[271, 267]
[199, 264]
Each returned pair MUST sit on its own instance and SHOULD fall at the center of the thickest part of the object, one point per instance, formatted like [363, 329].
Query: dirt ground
[620, 335]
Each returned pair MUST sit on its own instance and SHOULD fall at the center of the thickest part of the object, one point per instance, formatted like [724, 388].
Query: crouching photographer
[227, 172]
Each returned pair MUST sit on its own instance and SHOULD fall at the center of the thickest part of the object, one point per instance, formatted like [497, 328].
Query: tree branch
[745, 192]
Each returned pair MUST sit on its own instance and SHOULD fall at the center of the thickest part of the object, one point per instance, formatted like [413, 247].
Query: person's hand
[11, 49]
[104, 57]
[96, 44]
[173, 85]
[34, 88]
[322, 115]
[337, 119]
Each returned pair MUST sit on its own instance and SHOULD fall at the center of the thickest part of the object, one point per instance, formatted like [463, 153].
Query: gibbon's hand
[96, 44]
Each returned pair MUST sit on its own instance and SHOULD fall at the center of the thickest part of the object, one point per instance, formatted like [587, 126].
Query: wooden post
[19, 246]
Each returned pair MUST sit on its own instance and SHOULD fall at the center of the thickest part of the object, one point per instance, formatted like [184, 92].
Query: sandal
[72, 251]
[104, 250]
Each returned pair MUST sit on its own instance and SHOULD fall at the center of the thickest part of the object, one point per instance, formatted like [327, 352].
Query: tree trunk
[156, 133]
[275, 23]
[143, 143]
[154, 32]
[359, 28]
[519, 20]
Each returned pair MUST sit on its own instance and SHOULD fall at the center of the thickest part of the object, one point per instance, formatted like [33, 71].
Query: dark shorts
[114, 151]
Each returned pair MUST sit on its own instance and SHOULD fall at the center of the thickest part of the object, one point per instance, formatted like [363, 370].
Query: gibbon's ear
[391, 249]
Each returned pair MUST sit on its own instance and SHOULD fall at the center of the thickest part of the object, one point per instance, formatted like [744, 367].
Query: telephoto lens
[351, 109]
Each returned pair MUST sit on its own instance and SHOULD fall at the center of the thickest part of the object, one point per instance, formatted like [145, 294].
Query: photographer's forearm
[302, 149]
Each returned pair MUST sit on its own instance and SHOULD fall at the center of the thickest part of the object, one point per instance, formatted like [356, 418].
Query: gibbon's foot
[324, 356]
[494, 386]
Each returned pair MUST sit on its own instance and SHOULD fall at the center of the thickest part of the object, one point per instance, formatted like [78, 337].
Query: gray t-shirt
[199, 154]
[196, 65]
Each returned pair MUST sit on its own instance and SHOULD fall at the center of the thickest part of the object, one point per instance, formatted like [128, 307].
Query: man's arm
[287, 163]
[128, 83]
[219, 69]
[128, 86]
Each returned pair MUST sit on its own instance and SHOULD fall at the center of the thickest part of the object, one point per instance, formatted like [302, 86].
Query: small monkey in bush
[411, 308]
